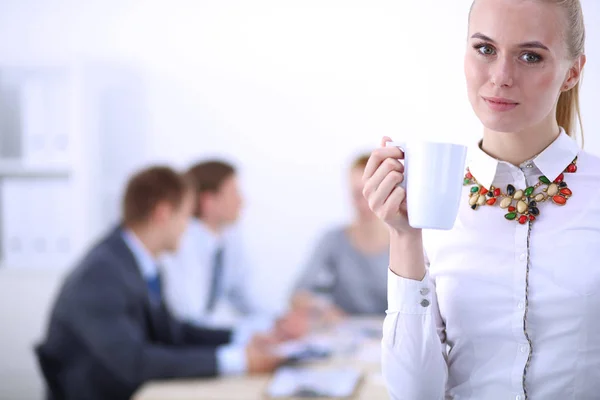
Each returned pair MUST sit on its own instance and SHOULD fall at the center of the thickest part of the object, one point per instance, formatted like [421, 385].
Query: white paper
[290, 382]
[294, 348]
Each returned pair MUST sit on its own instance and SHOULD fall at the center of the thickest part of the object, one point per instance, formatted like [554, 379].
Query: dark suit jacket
[105, 338]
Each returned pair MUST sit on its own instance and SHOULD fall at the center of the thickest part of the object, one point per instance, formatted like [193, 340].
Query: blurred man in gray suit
[109, 331]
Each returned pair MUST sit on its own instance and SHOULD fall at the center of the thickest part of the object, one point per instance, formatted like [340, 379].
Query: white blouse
[507, 310]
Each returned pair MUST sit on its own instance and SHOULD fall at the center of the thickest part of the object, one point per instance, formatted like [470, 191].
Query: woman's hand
[382, 177]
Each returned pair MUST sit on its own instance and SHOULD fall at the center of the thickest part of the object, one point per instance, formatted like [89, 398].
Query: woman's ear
[574, 74]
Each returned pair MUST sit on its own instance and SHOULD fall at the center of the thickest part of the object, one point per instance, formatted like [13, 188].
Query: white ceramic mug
[433, 180]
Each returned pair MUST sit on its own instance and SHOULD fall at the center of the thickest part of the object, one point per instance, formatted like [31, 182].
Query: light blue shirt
[188, 278]
[231, 358]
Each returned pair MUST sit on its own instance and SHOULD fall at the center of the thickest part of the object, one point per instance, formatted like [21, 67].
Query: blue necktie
[154, 288]
[217, 271]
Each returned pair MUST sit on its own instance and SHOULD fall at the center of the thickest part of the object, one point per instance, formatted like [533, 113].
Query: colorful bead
[559, 178]
[491, 201]
[572, 168]
[521, 207]
[507, 201]
[511, 209]
[497, 192]
[532, 217]
[562, 184]
[540, 197]
[483, 191]
[469, 176]
[466, 181]
[510, 216]
[552, 189]
[529, 191]
[523, 219]
[545, 180]
[518, 194]
[561, 201]
[510, 190]
[534, 211]
[475, 189]
[566, 191]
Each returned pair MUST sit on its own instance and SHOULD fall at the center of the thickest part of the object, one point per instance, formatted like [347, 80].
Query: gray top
[354, 281]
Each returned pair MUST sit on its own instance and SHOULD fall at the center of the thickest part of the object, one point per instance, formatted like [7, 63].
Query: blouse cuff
[409, 296]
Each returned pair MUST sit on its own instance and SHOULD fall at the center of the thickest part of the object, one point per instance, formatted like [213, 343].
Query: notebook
[302, 382]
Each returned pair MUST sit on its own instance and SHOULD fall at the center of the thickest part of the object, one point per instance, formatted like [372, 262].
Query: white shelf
[16, 168]
[102, 104]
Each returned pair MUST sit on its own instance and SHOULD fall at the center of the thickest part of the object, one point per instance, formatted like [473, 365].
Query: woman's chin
[501, 123]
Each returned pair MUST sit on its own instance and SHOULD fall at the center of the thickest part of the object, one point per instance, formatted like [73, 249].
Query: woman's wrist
[407, 258]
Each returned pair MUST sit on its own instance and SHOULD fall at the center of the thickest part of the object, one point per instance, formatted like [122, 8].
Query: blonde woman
[508, 306]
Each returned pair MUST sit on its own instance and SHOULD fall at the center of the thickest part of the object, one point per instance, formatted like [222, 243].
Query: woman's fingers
[378, 156]
[385, 168]
[379, 196]
[391, 205]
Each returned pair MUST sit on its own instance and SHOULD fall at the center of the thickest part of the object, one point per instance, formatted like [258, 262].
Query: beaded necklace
[521, 205]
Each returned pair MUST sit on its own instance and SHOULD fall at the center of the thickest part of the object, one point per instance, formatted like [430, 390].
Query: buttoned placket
[520, 294]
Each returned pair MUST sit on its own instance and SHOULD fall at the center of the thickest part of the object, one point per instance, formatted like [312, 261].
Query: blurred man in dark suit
[109, 331]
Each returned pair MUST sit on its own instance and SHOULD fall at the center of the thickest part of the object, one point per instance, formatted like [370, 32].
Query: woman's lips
[500, 104]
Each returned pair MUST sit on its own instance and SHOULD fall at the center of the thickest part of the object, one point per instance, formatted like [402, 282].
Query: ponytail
[568, 113]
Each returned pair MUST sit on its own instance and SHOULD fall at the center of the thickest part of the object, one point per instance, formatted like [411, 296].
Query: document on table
[311, 348]
[306, 382]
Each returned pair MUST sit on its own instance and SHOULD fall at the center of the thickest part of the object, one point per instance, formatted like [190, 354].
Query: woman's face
[517, 63]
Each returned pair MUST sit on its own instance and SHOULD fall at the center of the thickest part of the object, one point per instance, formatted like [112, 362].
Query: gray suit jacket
[105, 338]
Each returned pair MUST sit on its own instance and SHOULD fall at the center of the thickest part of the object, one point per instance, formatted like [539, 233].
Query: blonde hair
[568, 111]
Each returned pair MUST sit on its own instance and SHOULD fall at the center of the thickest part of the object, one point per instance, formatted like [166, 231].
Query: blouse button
[424, 291]
[523, 349]
[425, 303]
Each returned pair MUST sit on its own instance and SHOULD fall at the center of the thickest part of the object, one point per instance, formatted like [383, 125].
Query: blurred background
[289, 91]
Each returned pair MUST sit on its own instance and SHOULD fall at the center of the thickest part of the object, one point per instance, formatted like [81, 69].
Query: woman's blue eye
[486, 50]
[531, 58]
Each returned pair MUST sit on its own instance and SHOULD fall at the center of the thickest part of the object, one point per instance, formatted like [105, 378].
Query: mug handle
[402, 146]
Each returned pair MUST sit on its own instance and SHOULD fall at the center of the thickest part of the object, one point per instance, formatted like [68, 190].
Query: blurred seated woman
[346, 273]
